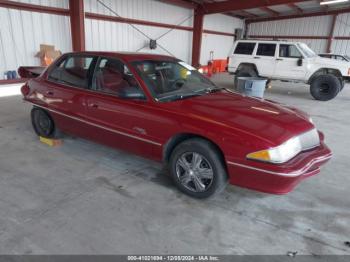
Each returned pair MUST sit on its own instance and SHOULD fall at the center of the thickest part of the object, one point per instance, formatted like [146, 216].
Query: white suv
[289, 61]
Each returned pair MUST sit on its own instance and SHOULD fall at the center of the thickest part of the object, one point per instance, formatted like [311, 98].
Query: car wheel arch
[177, 139]
[248, 65]
[325, 71]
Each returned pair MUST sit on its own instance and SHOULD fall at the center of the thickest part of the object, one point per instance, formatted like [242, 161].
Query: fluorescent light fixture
[331, 2]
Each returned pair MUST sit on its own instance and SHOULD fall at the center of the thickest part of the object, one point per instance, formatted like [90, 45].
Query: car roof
[128, 56]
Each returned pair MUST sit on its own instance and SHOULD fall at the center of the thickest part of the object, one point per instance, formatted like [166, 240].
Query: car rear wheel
[42, 123]
[197, 169]
[325, 87]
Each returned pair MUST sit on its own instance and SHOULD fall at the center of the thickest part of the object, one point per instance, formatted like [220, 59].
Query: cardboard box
[47, 54]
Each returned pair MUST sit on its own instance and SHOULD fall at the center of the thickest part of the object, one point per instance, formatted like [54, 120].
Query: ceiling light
[331, 2]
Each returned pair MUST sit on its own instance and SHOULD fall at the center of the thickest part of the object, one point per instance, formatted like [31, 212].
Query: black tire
[342, 84]
[43, 124]
[245, 71]
[211, 161]
[325, 87]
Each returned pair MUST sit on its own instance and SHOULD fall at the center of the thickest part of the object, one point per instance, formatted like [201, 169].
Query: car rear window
[266, 50]
[245, 48]
[73, 71]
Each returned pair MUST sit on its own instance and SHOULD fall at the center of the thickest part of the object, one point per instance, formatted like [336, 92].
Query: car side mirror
[300, 62]
[131, 92]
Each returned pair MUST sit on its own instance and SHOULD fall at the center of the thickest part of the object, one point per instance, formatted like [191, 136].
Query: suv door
[120, 121]
[287, 63]
[264, 58]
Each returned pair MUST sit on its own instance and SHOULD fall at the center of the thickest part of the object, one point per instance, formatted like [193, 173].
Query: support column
[197, 36]
[331, 33]
[77, 16]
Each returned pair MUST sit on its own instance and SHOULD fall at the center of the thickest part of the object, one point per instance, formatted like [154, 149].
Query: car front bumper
[281, 178]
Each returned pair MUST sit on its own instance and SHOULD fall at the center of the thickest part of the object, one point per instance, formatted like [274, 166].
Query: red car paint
[238, 125]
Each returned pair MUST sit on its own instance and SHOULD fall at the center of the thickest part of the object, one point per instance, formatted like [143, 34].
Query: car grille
[309, 139]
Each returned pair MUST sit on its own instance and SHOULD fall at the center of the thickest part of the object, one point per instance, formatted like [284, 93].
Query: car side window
[113, 77]
[245, 48]
[289, 51]
[74, 71]
[266, 50]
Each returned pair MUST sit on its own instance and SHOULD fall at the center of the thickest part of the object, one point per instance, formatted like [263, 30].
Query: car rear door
[118, 121]
[287, 63]
[66, 84]
[264, 58]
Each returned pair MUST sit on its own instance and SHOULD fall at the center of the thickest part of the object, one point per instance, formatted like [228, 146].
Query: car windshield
[308, 52]
[173, 80]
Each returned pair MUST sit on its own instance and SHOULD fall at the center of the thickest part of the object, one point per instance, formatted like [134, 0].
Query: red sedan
[162, 108]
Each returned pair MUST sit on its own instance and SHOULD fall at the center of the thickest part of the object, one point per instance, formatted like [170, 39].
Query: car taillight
[25, 89]
[349, 72]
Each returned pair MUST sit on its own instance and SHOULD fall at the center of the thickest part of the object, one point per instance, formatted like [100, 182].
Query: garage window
[289, 51]
[266, 50]
[73, 71]
[245, 48]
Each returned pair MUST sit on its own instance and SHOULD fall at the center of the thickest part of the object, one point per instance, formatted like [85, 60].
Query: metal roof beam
[231, 5]
[311, 14]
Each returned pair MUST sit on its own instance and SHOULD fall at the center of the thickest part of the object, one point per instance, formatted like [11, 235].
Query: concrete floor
[84, 198]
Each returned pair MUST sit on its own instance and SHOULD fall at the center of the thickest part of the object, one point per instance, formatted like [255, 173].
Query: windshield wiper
[177, 97]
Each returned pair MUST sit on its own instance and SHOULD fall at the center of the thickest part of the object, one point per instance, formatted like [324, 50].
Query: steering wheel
[176, 82]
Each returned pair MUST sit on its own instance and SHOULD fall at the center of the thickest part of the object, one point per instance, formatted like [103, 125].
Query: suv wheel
[197, 169]
[42, 123]
[245, 71]
[325, 87]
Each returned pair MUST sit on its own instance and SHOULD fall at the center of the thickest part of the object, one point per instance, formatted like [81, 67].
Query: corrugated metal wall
[21, 32]
[103, 35]
[342, 28]
[219, 44]
[111, 36]
[308, 26]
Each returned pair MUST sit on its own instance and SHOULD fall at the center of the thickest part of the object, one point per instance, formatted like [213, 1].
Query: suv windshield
[172, 80]
[308, 52]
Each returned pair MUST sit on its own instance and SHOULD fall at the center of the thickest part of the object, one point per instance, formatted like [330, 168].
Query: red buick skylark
[163, 109]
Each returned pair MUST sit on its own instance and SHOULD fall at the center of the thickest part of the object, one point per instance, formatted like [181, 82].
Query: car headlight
[288, 149]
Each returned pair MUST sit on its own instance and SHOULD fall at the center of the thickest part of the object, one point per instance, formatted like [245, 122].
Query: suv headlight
[288, 149]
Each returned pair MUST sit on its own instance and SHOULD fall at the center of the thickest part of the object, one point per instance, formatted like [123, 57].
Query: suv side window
[289, 51]
[245, 48]
[266, 50]
[73, 70]
[113, 77]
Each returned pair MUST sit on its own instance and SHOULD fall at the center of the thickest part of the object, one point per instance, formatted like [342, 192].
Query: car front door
[264, 58]
[290, 63]
[119, 110]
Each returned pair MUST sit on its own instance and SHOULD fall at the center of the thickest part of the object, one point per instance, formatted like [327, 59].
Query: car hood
[235, 113]
[330, 62]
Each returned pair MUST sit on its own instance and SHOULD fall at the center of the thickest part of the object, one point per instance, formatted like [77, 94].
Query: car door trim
[99, 126]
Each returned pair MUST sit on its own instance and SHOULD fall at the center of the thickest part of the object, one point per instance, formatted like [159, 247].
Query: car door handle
[50, 93]
[279, 59]
[256, 57]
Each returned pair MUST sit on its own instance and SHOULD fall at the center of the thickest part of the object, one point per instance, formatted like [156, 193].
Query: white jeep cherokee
[289, 61]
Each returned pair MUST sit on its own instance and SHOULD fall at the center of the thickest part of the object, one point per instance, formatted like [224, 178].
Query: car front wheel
[197, 169]
[325, 87]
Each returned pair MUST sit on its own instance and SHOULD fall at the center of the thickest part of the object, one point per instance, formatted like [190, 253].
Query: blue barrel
[252, 86]
[9, 75]
[14, 74]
